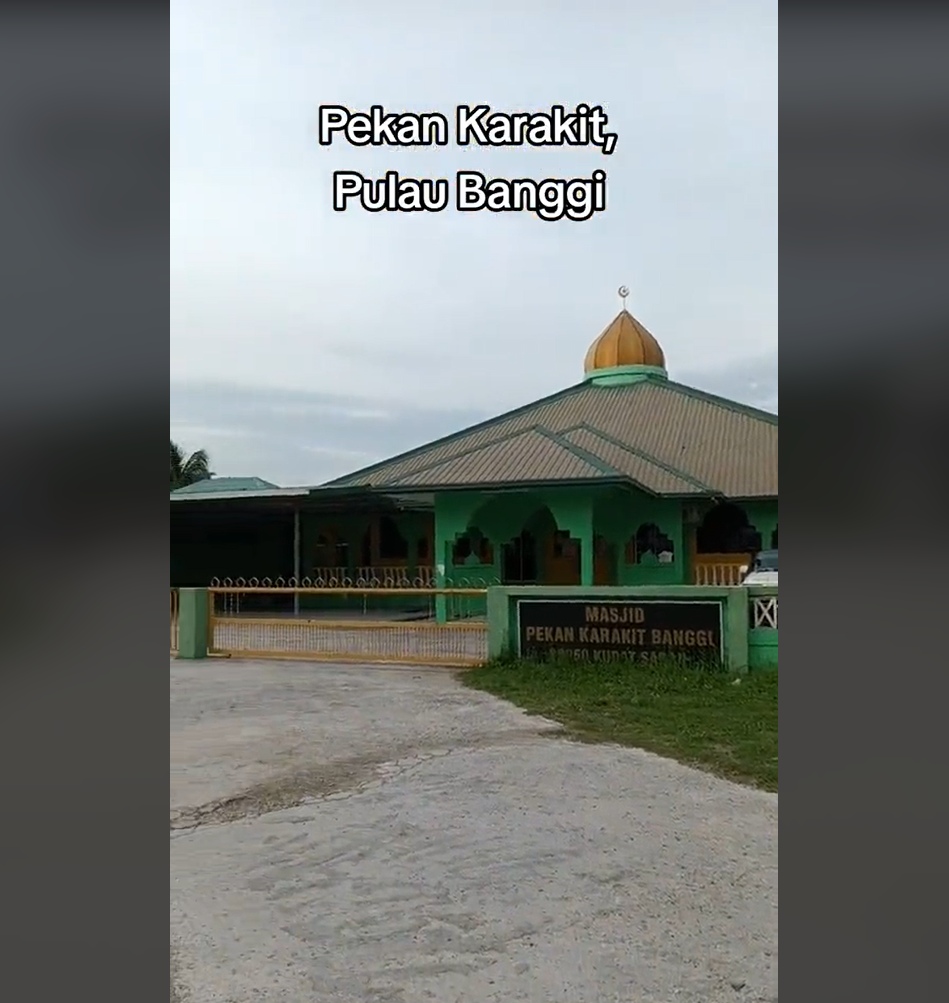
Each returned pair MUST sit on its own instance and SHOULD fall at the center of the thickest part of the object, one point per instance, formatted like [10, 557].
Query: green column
[499, 608]
[193, 640]
[736, 629]
[768, 525]
[587, 553]
[441, 606]
[451, 518]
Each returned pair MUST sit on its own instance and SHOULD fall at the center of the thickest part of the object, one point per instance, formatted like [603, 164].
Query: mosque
[625, 478]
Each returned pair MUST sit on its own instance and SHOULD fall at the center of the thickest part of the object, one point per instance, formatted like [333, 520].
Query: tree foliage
[187, 470]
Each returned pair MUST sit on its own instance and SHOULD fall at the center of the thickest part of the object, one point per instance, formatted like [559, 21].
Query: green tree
[188, 470]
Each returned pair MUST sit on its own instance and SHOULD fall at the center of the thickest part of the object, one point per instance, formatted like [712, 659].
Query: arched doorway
[541, 553]
[519, 565]
[330, 555]
[605, 561]
[562, 559]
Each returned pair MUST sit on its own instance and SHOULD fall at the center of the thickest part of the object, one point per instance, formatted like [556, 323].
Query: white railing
[764, 612]
[716, 573]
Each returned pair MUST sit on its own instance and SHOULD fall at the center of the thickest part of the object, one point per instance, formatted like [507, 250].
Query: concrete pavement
[344, 834]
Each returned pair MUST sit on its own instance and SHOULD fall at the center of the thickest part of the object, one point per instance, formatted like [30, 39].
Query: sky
[306, 343]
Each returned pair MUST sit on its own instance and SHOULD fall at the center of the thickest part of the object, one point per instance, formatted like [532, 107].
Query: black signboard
[603, 630]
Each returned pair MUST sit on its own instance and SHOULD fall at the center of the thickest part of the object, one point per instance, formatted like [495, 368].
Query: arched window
[329, 552]
[324, 551]
[393, 546]
[472, 548]
[650, 546]
[726, 530]
[565, 545]
[519, 559]
[461, 551]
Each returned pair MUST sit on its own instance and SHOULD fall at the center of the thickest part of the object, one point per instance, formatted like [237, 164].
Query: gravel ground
[344, 834]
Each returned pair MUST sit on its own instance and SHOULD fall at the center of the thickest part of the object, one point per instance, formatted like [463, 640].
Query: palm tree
[188, 471]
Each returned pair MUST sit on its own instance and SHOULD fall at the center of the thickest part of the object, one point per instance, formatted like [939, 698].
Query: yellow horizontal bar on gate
[346, 590]
[350, 659]
[274, 621]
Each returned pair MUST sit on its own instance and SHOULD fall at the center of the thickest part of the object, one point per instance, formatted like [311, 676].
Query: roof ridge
[469, 452]
[648, 457]
[722, 402]
[582, 454]
[487, 423]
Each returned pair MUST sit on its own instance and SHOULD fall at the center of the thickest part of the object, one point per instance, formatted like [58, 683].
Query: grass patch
[698, 716]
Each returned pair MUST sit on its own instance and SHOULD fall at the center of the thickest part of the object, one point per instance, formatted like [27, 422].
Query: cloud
[297, 331]
[751, 381]
[295, 437]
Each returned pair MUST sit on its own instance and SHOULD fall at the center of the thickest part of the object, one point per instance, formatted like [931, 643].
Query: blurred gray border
[864, 308]
[83, 395]
[83, 511]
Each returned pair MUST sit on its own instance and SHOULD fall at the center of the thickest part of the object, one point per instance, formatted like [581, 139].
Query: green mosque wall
[610, 515]
[602, 521]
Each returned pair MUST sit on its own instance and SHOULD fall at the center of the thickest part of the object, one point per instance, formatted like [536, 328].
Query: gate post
[502, 641]
[736, 629]
[193, 623]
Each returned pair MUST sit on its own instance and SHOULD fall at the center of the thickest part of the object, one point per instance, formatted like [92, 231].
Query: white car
[764, 569]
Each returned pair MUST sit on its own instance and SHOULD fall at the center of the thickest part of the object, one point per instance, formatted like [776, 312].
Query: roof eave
[305, 499]
[604, 481]
[506, 485]
[227, 495]
[750, 498]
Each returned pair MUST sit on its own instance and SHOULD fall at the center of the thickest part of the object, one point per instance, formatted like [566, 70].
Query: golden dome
[624, 343]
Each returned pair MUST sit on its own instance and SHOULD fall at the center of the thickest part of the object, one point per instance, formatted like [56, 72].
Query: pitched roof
[636, 466]
[667, 438]
[216, 485]
[531, 455]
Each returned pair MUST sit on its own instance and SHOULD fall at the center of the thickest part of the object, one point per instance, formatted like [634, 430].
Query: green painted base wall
[744, 649]
[763, 648]
[193, 622]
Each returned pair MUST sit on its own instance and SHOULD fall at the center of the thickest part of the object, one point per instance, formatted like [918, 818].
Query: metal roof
[531, 455]
[226, 485]
[193, 496]
[667, 438]
[306, 498]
